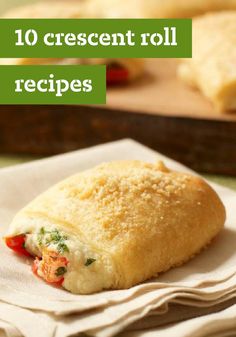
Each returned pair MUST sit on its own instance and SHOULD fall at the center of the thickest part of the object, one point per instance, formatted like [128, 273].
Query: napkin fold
[220, 324]
[175, 313]
[7, 330]
[206, 281]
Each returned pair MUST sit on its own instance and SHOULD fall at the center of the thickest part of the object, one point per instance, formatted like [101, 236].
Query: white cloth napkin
[218, 324]
[174, 313]
[208, 279]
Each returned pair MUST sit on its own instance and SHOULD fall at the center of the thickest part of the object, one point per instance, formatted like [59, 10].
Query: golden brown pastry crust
[183, 8]
[213, 67]
[120, 8]
[47, 9]
[146, 218]
[157, 8]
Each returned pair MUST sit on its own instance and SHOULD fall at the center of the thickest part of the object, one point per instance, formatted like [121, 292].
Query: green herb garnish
[89, 261]
[62, 247]
[60, 271]
[41, 235]
[53, 237]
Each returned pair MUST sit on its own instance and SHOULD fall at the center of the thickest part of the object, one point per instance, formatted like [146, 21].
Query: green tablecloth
[13, 160]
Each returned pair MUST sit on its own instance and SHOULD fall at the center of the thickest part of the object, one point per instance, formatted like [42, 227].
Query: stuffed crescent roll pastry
[158, 8]
[48, 10]
[116, 225]
[183, 8]
[213, 66]
[119, 71]
[117, 8]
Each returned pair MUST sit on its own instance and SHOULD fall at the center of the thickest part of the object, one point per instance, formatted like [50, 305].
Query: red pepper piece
[117, 75]
[35, 267]
[58, 283]
[17, 243]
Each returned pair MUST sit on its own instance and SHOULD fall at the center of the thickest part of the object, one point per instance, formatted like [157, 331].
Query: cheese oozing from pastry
[62, 259]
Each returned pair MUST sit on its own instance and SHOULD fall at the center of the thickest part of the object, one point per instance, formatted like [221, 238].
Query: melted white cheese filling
[82, 275]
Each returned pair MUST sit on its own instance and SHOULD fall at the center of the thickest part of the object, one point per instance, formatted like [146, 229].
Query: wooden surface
[202, 144]
[161, 92]
[158, 111]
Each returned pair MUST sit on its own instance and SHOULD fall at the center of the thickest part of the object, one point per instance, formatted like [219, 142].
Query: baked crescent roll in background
[183, 8]
[158, 8]
[119, 71]
[213, 66]
[47, 9]
[116, 225]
